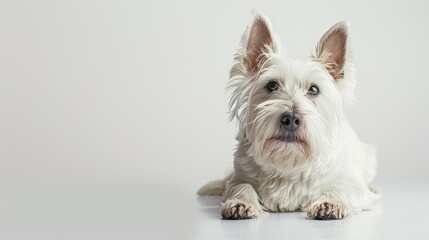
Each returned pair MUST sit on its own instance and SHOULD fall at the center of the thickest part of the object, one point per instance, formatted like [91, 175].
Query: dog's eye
[272, 86]
[313, 90]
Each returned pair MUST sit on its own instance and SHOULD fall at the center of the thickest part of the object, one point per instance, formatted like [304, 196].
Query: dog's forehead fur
[294, 73]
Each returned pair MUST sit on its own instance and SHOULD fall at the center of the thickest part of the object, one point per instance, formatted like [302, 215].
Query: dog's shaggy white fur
[296, 150]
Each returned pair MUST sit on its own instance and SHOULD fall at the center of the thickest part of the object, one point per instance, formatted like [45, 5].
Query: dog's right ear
[257, 44]
[257, 41]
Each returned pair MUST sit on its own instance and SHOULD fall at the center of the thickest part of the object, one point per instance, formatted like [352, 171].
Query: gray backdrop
[134, 91]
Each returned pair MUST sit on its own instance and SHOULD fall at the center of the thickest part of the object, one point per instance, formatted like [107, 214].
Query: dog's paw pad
[237, 209]
[327, 211]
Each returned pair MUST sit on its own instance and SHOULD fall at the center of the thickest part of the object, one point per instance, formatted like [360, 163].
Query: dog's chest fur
[285, 194]
[295, 190]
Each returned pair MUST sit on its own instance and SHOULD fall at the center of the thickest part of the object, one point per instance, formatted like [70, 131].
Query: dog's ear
[257, 41]
[332, 50]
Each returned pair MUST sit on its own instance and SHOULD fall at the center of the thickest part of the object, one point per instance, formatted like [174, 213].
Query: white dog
[296, 150]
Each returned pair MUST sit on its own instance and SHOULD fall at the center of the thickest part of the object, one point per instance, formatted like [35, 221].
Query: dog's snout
[291, 121]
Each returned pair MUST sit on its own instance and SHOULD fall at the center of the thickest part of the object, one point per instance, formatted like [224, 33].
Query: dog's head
[290, 110]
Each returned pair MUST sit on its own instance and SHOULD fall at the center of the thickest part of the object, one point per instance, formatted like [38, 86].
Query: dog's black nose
[291, 121]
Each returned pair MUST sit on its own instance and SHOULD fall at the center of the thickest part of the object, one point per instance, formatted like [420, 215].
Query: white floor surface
[155, 211]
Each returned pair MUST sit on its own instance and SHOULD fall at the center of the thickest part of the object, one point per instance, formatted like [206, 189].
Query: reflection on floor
[156, 211]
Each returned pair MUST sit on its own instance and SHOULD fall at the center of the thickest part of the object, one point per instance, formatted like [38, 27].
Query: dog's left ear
[332, 50]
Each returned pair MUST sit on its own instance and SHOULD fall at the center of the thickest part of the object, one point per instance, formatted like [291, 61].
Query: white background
[94, 91]
[99, 92]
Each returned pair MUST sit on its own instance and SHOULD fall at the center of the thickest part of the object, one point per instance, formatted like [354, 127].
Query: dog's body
[296, 150]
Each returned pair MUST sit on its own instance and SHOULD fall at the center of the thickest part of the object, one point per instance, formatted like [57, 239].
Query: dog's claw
[237, 209]
[327, 211]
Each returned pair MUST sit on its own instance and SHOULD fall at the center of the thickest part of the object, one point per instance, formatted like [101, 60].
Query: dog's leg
[240, 201]
[342, 200]
[336, 201]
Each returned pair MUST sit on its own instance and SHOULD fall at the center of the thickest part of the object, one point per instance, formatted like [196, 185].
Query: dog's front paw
[328, 210]
[237, 209]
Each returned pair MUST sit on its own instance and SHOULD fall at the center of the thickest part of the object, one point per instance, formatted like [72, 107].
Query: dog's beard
[285, 148]
[271, 144]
